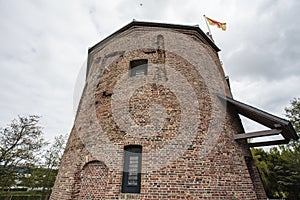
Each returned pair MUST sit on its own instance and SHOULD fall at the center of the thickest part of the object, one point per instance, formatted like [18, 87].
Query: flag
[216, 23]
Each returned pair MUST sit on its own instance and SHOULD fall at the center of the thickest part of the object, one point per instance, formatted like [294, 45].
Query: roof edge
[162, 25]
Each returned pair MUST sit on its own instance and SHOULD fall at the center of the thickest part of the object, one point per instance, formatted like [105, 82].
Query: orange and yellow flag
[216, 23]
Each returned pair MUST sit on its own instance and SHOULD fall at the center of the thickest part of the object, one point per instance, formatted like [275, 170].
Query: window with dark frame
[138, 67]
[132, 169]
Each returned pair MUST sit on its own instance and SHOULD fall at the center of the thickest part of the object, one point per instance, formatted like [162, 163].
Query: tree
[291, 152]
[19, 143]
[267, 162]
[44, 173]
[288, 172]
[293, 114]
[52, 158]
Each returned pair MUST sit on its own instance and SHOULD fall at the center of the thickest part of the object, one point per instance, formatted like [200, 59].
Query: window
[138, 67]
[132, 169]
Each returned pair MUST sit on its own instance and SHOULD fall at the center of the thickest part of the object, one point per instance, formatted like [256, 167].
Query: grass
[24, 195]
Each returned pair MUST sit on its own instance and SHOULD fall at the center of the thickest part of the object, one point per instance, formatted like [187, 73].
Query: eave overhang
[276, 124]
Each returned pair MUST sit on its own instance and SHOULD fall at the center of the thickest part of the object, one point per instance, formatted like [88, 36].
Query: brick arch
[93, 181]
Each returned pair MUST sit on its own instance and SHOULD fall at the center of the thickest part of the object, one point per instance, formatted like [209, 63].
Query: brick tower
[156, 120]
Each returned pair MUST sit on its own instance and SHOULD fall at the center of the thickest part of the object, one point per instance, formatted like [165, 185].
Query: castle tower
[156, 120]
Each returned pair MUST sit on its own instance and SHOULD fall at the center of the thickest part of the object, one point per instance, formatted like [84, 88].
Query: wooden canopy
[277, 125]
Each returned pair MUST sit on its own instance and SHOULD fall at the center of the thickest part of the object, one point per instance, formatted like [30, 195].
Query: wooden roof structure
[277, 125]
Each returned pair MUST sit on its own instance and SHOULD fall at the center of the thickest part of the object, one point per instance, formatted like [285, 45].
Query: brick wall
[173, 113]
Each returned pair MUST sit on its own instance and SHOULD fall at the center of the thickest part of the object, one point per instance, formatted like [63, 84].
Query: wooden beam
[268, 143]
[257, 134]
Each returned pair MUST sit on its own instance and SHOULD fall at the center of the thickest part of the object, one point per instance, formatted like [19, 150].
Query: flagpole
[209, 32]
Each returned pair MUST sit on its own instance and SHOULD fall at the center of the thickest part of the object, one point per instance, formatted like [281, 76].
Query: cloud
[268, 47]
[260, 54]
[44, 44]
[43, 47]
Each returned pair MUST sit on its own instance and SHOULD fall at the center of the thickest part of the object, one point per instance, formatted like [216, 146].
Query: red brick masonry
[192, 155]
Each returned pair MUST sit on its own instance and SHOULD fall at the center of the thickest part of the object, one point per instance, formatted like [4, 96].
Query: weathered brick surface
[209, 165]
[93, 181]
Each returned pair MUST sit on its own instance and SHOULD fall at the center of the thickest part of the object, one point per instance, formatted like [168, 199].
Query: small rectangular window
[132, 169]
[138, 67]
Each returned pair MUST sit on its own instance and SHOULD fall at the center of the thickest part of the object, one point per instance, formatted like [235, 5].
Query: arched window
[132, 169]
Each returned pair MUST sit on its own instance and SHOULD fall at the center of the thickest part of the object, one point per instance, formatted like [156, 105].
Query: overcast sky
[43, 46]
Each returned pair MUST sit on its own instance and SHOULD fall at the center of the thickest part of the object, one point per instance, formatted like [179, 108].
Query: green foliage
[19, 143]
[291, 153]
[280, 167]
[26, 160]
[52, 158]
[293, 113]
